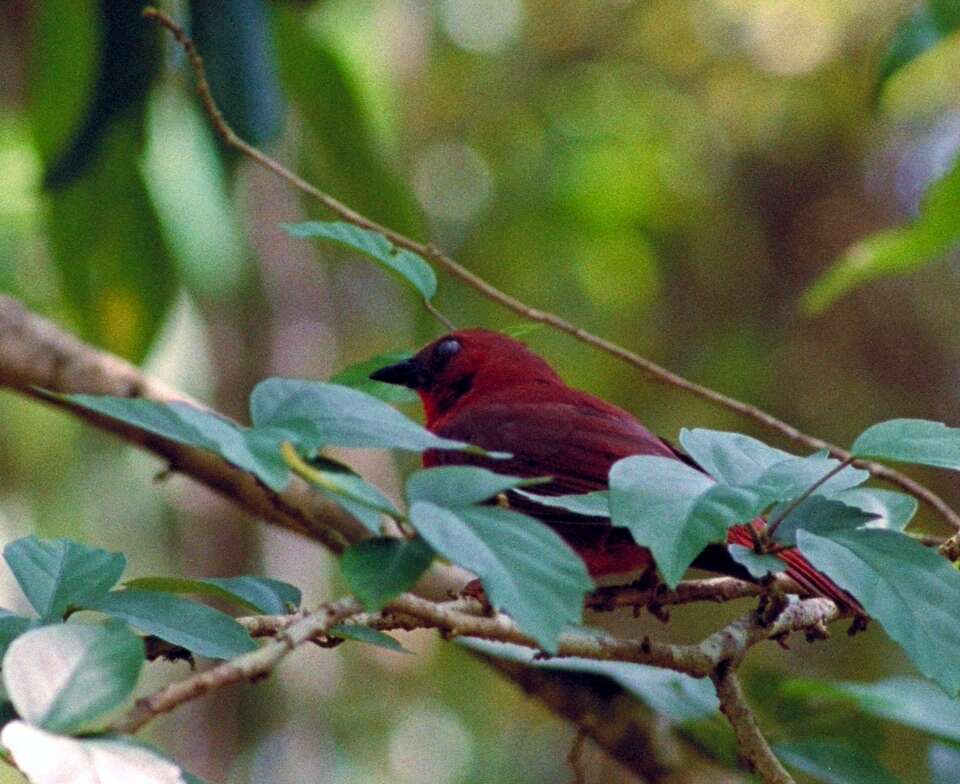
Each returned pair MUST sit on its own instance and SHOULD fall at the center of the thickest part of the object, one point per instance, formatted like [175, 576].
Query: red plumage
[491, 390]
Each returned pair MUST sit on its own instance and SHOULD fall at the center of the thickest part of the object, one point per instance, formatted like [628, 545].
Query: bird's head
[466, 362]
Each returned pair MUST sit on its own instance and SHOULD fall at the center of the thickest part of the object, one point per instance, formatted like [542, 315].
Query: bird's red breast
[490, 390]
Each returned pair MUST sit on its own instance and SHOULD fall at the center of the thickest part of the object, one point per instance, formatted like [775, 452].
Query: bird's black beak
[408, 373]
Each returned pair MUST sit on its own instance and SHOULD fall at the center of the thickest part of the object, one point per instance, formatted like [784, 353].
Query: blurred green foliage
[674, 174]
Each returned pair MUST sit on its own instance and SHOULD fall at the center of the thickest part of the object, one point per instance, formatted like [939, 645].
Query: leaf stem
[774, 524]
[307, 472]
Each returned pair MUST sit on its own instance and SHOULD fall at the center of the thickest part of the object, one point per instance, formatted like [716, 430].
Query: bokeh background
[672, 174]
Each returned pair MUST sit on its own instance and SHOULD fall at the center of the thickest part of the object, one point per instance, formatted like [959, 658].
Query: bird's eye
[443, 353]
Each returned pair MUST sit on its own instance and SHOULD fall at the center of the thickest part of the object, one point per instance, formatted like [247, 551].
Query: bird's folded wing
[573, 443]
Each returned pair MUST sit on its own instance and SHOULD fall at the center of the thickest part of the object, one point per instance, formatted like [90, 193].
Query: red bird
[490, 390]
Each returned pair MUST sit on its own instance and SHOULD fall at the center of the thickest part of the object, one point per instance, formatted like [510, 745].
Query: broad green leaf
[314, 414]
[349, 631]
[69, 677]
[895, 251]
[675, 695]
[55, 574]
[116, 274]
[357, 376]
[526, 568]
[342, 148]
[894, 510]
[821, 516]
[63, 65]
[256, 594]
[378, 570]
[409, 266]
[732, 458]
[12, 626]
[196, 627]
[341, 480]
[460, 485]
[833, 762]
[908, 588]
[653, 498]
[791, 478]
[910, 701]
[595, 504]
[256, 451]
[48, 758]
[912, 38]
[758, 564]
[238, 54]
[911, 441]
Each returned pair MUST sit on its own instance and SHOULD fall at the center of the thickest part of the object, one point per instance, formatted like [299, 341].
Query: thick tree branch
[35, 355]
[753, 746]
[491, 292]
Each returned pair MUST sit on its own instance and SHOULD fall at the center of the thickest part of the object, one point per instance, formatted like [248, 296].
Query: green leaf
[378, 570]
[69, 677]
[732, 458]
[55, 574]
[408, 265]
[47, 758]
[821, 516]
[341, 480]
[831, 762]
[256, 594]
[910, 701]
[234, 38]
[12, 626]
[196, 627]
[738, 460]
[911, 39]
[911, 441]
[908, 588]
[653, 498]
[525, 567]
[357, 376]
[758, 564]
[256, 451]
[896, 251]
[313, 414]
[461, 485]
[349, 631]
[894, 510]
[595, 504]
[672, 694]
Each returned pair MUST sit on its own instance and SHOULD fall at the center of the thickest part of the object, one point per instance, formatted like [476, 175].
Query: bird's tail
[801, 571]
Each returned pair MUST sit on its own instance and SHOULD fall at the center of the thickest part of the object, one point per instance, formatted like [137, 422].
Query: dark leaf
[55, 574]
[196, 627]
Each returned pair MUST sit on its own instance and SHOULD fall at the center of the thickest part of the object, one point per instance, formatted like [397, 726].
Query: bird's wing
[574, 442]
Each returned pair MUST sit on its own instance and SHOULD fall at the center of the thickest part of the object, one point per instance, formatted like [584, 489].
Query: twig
[248, 667]
[753, 746]
[454, 268]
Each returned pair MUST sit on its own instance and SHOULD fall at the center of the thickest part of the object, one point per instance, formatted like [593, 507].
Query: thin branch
[248, 667]
[454, 268]
[753, 746]
[465, 618]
